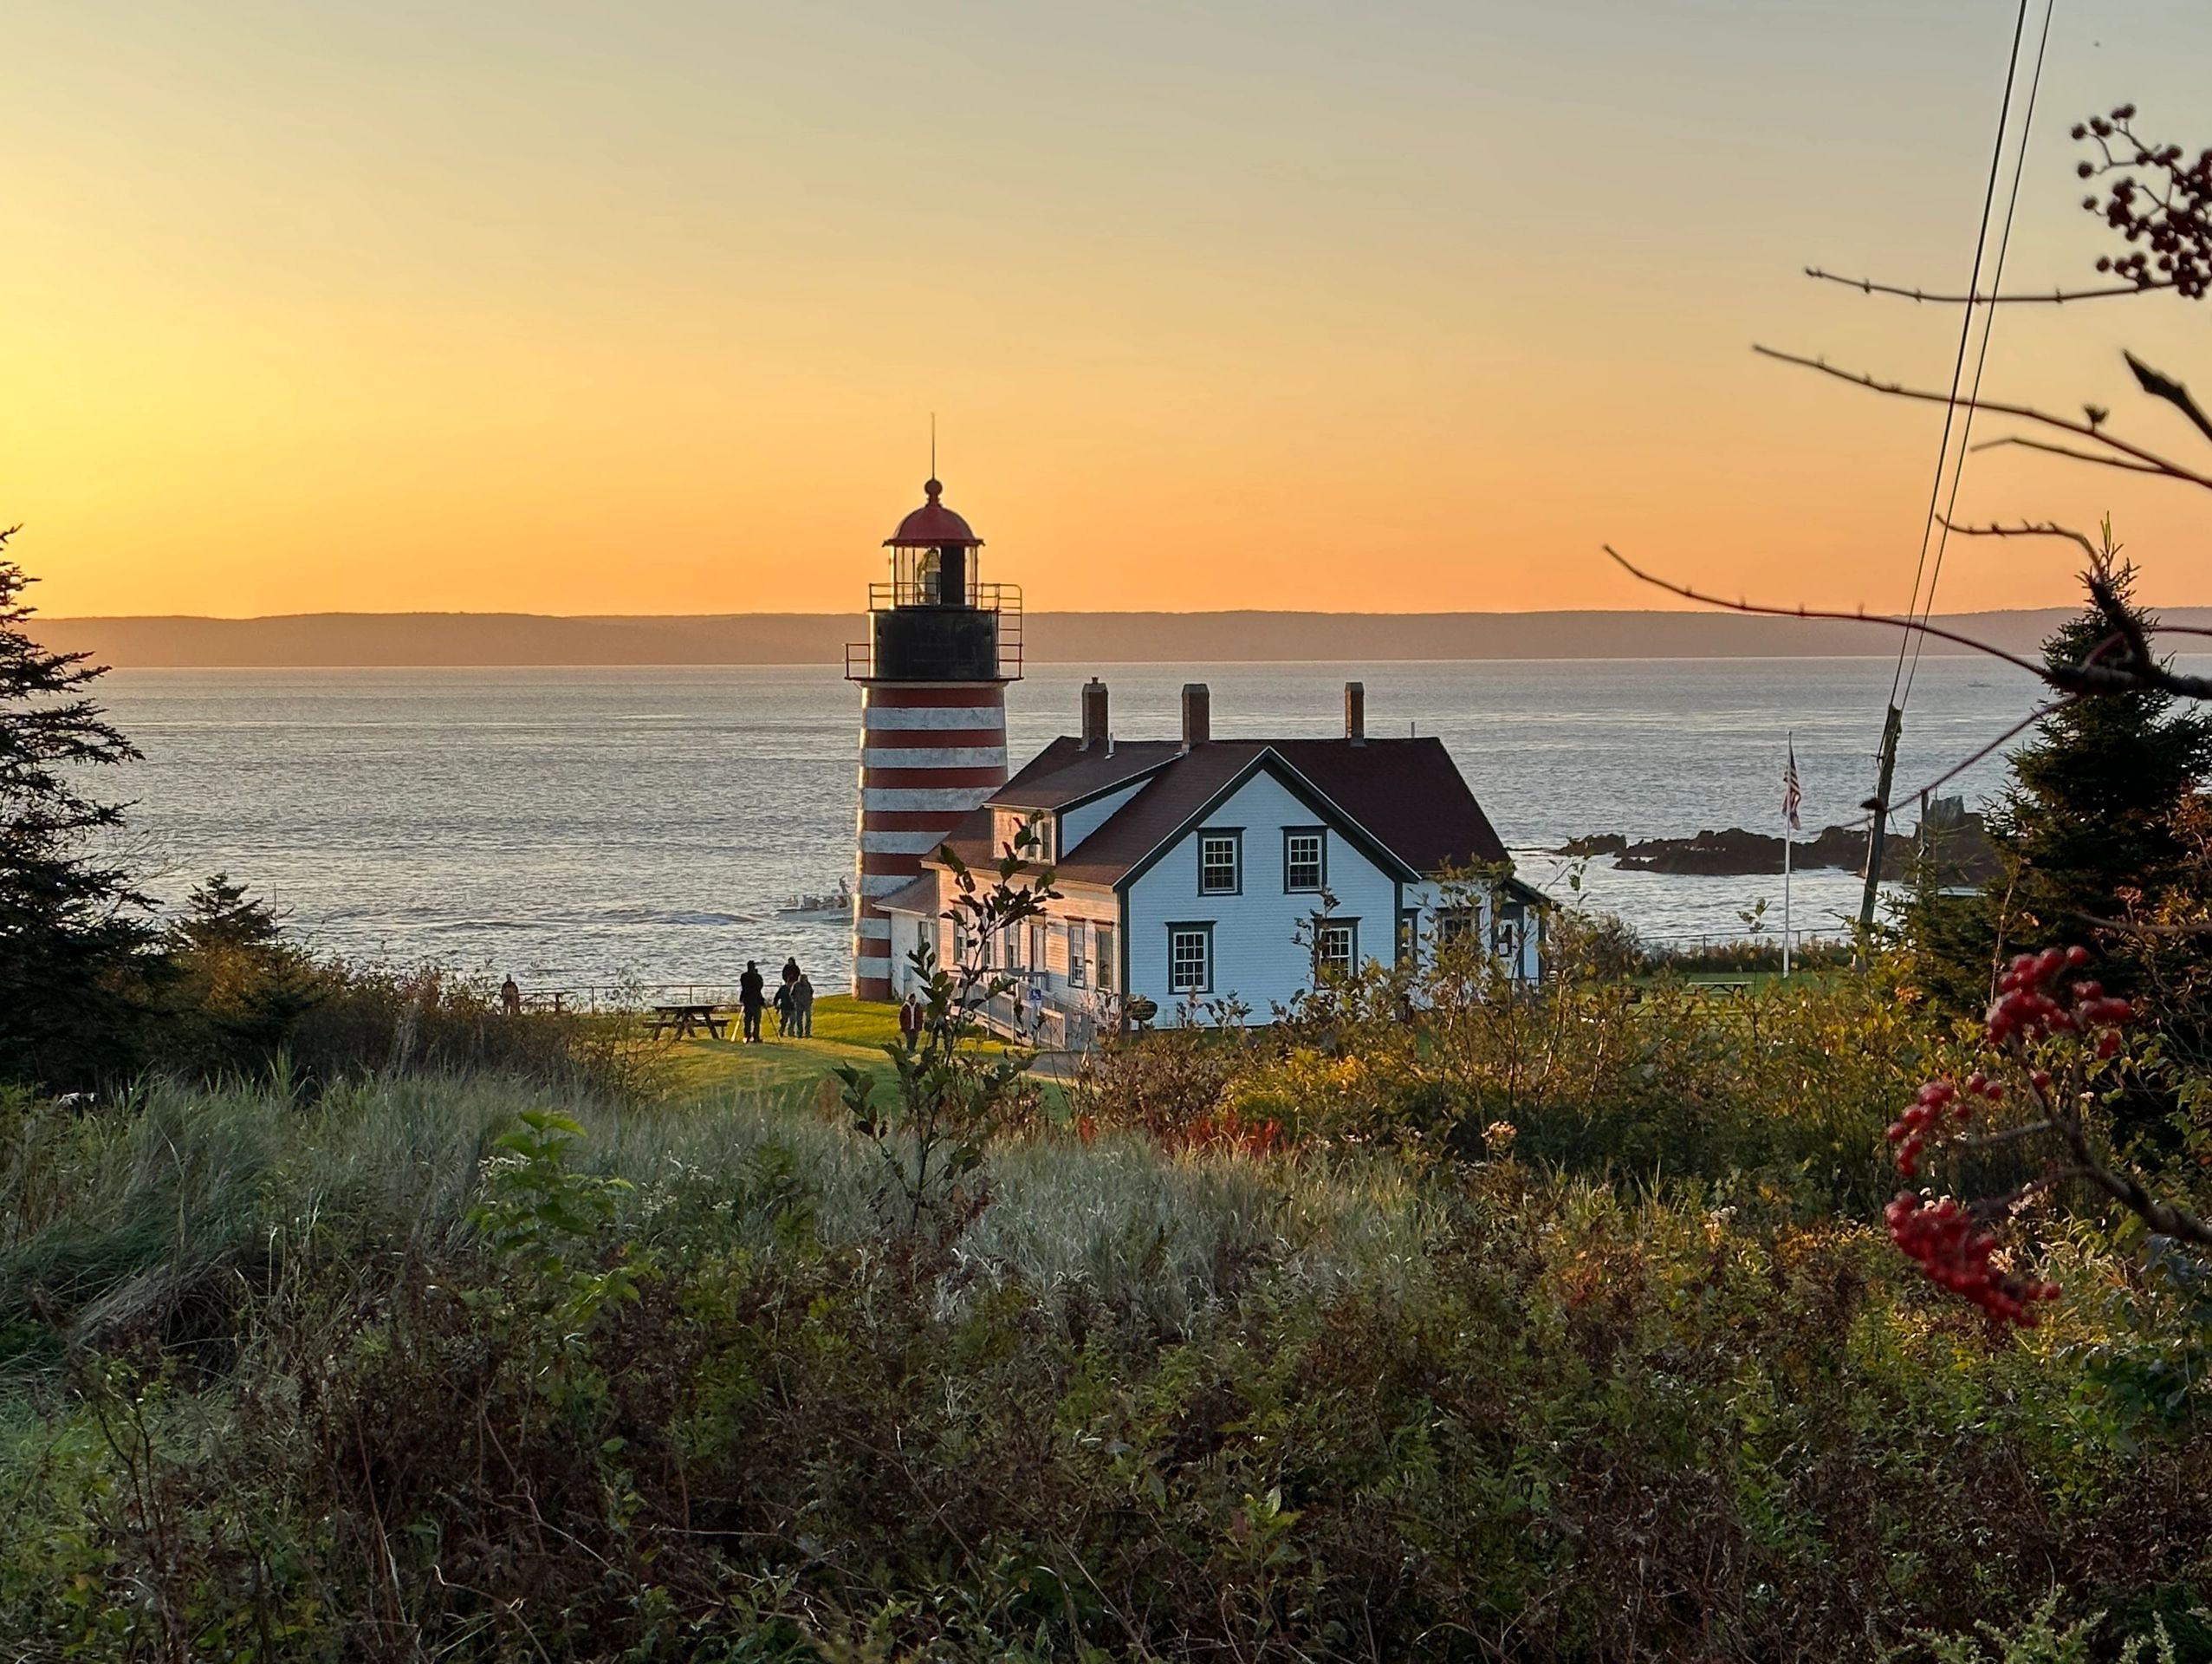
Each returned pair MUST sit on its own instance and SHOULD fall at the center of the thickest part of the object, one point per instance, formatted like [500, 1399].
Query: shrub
[1319, 1405]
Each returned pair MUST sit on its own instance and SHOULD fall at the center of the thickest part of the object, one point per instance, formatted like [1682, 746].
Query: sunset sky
[1387, 307]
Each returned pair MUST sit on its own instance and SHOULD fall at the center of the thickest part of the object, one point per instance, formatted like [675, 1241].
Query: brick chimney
[1198, 715]
[1355, 712]
[1094, 715]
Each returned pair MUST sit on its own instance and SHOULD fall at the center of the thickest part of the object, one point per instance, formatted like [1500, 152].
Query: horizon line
[1829, 616]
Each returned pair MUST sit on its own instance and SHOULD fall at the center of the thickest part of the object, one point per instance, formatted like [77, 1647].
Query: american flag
[1791, 796]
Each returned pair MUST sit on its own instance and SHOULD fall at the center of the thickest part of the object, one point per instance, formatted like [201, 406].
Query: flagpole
[1789, 814]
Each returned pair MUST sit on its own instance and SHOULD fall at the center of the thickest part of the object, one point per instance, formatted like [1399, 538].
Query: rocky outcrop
[1957, 843]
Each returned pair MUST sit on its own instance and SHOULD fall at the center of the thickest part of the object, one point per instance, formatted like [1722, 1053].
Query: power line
[1900, 683]
[1965, 334]
[1989, 325]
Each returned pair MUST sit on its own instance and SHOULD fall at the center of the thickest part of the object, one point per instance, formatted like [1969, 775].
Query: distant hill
[333, 639]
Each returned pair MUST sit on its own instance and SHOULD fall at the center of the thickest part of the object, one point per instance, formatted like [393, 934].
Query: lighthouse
[942, 646]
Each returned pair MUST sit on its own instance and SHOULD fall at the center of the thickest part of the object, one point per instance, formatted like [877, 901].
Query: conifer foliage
[71, 921]
[2098, 832]
[2092, 823]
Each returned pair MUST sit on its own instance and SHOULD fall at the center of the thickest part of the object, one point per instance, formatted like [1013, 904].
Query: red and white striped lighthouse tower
[942, 646]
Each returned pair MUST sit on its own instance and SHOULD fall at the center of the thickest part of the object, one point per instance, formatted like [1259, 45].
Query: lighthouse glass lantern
[942, 646]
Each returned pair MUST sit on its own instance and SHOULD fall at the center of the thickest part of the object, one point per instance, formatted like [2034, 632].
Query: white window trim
[1233, 837]
[1205, 932]
[1322, 927]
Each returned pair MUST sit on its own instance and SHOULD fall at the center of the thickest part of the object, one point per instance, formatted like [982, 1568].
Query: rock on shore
[1959, 846]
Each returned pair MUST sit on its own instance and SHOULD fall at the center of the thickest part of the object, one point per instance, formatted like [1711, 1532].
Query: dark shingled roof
[919, 896]
[1149, 819]
[1407, 795]
[1064, 771]
[971, 839]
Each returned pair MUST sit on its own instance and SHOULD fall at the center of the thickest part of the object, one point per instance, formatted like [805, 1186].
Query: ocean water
[578, 827]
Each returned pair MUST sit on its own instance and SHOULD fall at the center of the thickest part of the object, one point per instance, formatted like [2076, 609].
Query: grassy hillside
[354, 1379]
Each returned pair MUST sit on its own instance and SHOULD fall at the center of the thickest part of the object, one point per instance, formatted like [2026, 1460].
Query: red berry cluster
[1945, 1238]
[1954, 1252]
[2172, 215]
[2026, 1009]
[1910, 1131]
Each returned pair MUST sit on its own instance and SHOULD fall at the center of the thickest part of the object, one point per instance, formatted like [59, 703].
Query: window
[1409, 935]
[1039, 943]
[1025, 832]
[1079, 966]
[1220, 863]
[1505, 935]
[1453, 924]
[1336, 945]
[1305, 864]
[1190, 959]
[1105, 961]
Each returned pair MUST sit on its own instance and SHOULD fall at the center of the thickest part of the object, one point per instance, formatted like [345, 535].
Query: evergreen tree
[223, 917]
[72, 925]
[237, 987]
[2092, 828]
[2096, 826]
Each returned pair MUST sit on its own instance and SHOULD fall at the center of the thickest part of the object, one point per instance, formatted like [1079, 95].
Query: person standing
[786, 998]
[510, 997]
[751, 998]
[802, 1005]
[909, 1020]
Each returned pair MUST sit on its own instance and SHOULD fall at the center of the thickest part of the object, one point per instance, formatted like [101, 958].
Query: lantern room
[936, 620]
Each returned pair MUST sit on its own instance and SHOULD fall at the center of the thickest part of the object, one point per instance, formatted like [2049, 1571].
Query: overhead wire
[1981, 357]
[1965, 335]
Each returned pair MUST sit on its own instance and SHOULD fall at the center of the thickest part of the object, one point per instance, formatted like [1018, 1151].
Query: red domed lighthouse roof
[933, 526]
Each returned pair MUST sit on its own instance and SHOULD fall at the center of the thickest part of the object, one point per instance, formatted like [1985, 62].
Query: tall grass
[105, 1218]
[265, 1387]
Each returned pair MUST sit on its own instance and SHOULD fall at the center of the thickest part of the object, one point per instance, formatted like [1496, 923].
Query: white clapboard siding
[1258, 958]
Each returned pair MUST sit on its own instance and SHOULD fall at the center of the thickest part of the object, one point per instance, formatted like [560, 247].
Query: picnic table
[685, 1021]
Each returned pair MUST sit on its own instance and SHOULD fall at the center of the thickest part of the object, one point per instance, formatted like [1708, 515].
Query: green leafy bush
[1325, 1405]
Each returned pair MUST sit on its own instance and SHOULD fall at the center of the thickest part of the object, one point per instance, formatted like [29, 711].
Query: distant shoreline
[487, 641]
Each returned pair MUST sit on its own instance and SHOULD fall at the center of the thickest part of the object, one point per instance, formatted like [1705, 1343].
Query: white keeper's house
[1197, 872]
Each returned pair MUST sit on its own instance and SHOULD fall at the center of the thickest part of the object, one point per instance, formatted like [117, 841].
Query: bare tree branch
[2143, 672]
[2009, 1135]
[1861, 616]
[2023, 441]
[2092, 431]
[2056, 297]
[2137, 927]
[2163, 387]
[2025, 529]
[2130, 1192]
[1964, 763]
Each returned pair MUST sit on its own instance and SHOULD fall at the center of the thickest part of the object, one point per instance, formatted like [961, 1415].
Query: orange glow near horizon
[1404, 308]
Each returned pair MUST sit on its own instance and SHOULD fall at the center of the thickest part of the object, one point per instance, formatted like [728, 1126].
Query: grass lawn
[847, 1030]
[1761, 981]
[788, 1071]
